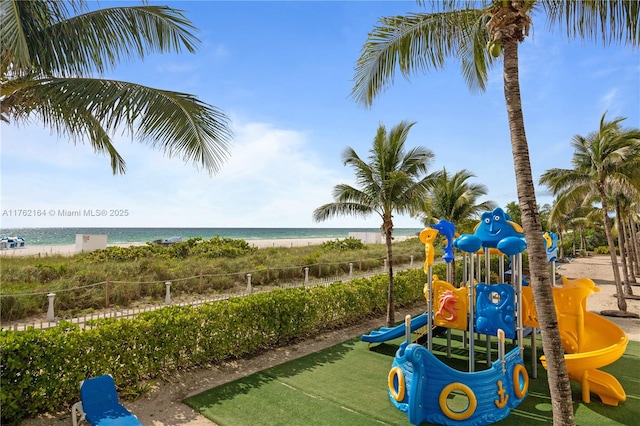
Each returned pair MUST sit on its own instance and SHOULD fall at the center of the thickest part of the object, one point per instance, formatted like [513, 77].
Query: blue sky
[283, 72]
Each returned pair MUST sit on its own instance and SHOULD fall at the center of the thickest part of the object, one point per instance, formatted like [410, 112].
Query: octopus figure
[496, 226]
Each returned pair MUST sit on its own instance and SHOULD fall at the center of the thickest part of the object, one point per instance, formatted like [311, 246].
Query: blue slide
[384, 334]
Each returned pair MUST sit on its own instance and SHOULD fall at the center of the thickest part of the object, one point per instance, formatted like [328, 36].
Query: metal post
[249, 289]
[487, 265]
[501, 349]
[429, 308]
[534, 354]
[520, 324]
[465, 278]
[407, 329]
[50, 313]
[471, 319]
[167, 296]
[488, 350]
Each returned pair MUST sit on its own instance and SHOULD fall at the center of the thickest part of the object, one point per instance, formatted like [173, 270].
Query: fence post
[201, 278]
[385, 265]
[306, 275]
[249, 289]
[106, 303]
[167, 296]
[411, 262]
[350, 269]
[50, 313]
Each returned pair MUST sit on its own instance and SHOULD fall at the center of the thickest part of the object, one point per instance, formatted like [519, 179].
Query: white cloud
[220, 50]
[274, 178]
[609, 99]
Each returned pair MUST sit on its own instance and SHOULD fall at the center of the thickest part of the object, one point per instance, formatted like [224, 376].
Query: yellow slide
[589, 340]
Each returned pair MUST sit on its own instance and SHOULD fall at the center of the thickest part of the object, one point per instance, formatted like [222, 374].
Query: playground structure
[428, 390]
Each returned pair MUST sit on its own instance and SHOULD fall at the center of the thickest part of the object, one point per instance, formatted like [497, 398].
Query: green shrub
[601, 250]
[78, 281]
[41, 369]
[346, 244]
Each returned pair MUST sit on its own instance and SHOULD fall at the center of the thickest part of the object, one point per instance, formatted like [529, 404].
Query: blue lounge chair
[99, 405]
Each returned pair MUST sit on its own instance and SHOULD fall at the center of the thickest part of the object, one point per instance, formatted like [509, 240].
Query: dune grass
[137, 275]
[347, 384]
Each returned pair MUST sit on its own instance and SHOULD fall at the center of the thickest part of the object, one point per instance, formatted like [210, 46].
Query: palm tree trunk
[622, 303]
[623, 249]
[391, 313]
[634, 235]
[559, 385]
[634, 245]
[631, 253]
[631, 250]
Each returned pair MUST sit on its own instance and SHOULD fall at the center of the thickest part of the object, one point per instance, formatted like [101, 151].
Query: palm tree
[564, 217]
[454, 199]
[545, 212]
[392, 181]
[622, 244]
[49, 51]
[600, 161]
[624, 200]
[513, 209]
[477, 32]
[632, 213]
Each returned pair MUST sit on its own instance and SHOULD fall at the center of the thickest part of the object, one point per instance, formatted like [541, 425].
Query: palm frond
[330, 210]
[417, 42]
[176, 123]
[609, 21]
[453, 198]
[95, 41]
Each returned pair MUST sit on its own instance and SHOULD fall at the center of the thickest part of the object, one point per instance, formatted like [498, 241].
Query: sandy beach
[163, 406]
[70, 249]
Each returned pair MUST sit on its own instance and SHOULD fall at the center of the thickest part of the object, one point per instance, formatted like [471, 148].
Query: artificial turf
[347, 385]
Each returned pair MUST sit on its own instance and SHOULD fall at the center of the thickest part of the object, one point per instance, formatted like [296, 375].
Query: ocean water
[60, 236]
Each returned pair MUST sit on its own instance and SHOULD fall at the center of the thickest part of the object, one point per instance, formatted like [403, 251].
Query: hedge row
[42, 369]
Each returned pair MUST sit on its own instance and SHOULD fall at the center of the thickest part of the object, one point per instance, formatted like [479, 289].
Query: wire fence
[115, 312]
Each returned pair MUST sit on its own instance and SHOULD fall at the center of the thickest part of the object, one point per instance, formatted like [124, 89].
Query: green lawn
[347, 384]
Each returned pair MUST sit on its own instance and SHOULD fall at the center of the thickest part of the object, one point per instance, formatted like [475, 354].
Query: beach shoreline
[70, 249]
